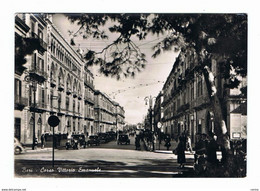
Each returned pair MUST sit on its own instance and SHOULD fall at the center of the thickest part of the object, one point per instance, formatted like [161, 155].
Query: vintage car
[103, 137]
[112, 135]
[18, 147]
[93, 140]
[72, 143]
[123, 139]
[81, 138]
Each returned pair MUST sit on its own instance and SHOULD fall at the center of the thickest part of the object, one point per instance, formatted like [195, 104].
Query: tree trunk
[220, 128]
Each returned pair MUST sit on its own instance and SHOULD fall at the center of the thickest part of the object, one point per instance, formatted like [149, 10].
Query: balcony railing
[38, 74]
[42, 43]
[53, 82]
[87, 83]
[38, 106]
[68, 91]
[75, 94]
[20, 102]
[79, 96]
[61, 86]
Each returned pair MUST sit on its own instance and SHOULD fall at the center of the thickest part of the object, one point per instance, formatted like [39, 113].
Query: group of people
[206, 147]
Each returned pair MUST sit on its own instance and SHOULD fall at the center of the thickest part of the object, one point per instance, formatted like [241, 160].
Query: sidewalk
[162, 147]
[29, 150]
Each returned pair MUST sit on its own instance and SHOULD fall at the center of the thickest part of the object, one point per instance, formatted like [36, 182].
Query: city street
[106, 160]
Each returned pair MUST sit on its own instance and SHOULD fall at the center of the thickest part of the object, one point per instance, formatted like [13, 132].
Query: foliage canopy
[223, 36]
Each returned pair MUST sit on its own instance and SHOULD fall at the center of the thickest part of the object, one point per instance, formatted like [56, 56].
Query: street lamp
[159, 125]
[149, 99]
[33, 83]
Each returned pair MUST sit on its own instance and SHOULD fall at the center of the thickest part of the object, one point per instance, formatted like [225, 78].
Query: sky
[131, 92]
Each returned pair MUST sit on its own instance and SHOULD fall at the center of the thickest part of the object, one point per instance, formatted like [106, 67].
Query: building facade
[186, 105]
[120, 117]
[30, 78]
[105, 118]
[55, 81]
[157, 112]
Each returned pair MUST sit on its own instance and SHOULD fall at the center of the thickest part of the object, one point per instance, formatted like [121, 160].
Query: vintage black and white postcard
[130, 95]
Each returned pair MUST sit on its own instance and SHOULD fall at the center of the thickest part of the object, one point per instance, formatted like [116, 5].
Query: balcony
[20, 102]
[201, 101]
[61, 86]
[87, 83]
[183, 108]
[79, 96]
[68, 91]
[75, 94]
[38, 74]
[21, 23]
[53, 82]
[38, 107]
[88, 100]
[43, 45]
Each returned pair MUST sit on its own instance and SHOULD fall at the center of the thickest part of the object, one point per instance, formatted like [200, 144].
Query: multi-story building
[105, 118]
[120, 117]
[30, 78]
[66, 82]
[186, 105]
[157, 112]
[55, 81]
[89, 102]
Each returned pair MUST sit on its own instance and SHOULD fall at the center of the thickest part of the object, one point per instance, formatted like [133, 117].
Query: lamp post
[33, 84]
[149, 99]
[159, 125]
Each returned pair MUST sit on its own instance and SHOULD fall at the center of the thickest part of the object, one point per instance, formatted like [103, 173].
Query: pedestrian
[35, 142]
[137, 143]
[188, 144]
[43, 140]
[181, 151]
[200, 146]
[212, 148]
[167, 142]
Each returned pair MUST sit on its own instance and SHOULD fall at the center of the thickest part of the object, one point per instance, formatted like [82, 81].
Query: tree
[208, 36]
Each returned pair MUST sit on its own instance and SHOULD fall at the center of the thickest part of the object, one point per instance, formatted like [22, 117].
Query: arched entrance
[39, 129]
[30, 130]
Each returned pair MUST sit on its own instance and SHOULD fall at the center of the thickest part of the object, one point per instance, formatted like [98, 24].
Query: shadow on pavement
[100, 168]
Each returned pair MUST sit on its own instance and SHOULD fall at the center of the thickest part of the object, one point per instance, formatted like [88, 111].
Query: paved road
[106, 160]
[99, 162]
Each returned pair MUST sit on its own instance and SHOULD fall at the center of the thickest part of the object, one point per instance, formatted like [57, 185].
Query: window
[40, 34]
[18, 88]
[200, 87]
[59, 100]
[67, 103]
[192, 91]
[51, 102]
[43, 101]
[34, 61]
[74, 105]
[32, 28]
[30, 95]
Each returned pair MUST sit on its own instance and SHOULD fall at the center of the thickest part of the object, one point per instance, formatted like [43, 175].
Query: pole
[34, 105]
[53, 146]
[159, 138]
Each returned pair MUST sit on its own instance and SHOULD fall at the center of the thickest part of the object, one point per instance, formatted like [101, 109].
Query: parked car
[72, 143]
[112, 135]
[103, 137]
[18, 147]
[93, 140]
[123, 139]
[81, 138]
